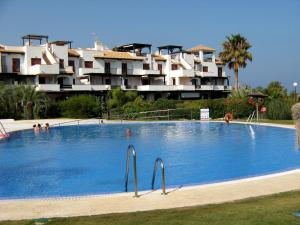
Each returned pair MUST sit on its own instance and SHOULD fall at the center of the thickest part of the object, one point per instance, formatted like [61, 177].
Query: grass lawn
[270, 210]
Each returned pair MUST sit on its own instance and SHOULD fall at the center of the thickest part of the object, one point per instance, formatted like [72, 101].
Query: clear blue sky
[272, 27]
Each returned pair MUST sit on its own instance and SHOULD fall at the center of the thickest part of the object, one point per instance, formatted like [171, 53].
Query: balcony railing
[213, 87]
[83, 71]
[44, 69]
[48, 87]
[96, 87]
[67, 69]
[182, 73]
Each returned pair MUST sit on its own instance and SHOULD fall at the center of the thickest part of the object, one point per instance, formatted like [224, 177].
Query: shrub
[163, 103]
[81, 106]
[239, 107]
[279, 109]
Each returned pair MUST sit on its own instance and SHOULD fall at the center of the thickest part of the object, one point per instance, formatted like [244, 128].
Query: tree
[120, 98]
[33, 102]
[81, 106]
[235, 54]
[276, 90]
[20, 102]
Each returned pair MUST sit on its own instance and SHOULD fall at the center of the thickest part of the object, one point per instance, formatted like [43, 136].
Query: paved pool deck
[148, 200]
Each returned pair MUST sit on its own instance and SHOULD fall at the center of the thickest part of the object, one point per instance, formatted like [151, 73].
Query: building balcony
[156, 88]
[90, 87]
[83, 71]
[214, 88]
[44, 69]
[182, 73]
[67, 70]
[129, 87]
[166, 88]
[96, 87]
[185, 87]
[48, 87]
[146, 72]
[81, 87]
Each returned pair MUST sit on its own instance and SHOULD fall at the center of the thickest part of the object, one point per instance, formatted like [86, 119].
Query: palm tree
[33, 102]
[235, 54]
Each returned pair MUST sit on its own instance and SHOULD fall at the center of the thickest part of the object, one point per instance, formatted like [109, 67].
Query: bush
[279, 109]
[163, 103]
[53, 110]
[81, 106]
[239, 107]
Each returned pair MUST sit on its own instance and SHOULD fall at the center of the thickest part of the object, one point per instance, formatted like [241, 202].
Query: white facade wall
[7, 62]
[32, 52]
[89, 55]
[61, 52]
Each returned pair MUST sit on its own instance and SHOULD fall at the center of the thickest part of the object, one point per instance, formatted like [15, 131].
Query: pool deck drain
[148, 200]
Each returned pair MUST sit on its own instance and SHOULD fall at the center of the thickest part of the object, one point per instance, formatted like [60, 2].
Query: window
[107, 67]
[205, 68]
[16, 65]
[174, 67]
[35, 61]
[88, 64]
[72, 63]
[220, 71]
[174, 81]
[146, 66]
[61, 64]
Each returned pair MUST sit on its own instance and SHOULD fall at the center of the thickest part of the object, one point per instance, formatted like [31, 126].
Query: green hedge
[81, 106]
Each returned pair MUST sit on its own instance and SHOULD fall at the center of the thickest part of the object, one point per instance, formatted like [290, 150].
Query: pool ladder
[131, 150]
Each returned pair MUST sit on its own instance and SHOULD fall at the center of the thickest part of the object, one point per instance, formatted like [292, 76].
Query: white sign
[204, 114]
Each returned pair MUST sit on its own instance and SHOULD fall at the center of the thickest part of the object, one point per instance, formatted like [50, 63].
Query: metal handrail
[251, 116]
[143, 115]
[129, 150]
[73, 121]
[163, 177]
[4, 131]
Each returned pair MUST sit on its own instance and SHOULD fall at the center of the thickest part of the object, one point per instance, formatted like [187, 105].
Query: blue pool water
[90, 159]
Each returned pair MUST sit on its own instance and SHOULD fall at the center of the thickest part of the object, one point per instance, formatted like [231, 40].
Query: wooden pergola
[31, 37]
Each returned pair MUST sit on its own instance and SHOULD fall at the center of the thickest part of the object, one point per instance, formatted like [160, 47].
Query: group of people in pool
[38, 127]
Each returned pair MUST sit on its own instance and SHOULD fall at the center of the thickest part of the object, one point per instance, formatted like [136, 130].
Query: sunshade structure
[259, 97]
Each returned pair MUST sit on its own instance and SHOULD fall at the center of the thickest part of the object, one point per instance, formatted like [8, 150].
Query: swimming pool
[90, 159]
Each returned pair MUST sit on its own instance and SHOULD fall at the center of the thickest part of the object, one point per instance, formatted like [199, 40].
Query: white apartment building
[58, 69]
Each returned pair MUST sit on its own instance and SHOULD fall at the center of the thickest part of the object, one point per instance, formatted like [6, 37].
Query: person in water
[46, 126]
[128, 132]
[36, 128]
[39, 127]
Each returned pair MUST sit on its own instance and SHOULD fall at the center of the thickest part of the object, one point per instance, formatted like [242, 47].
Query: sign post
[204, 114]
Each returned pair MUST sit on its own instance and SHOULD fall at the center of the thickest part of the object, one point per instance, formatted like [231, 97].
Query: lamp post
[295, 84]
